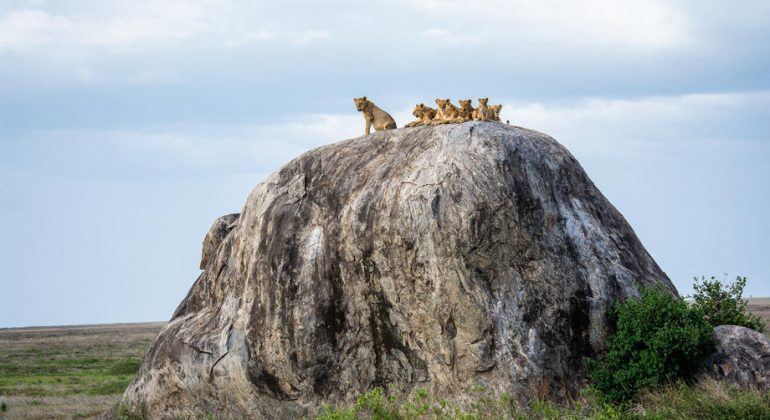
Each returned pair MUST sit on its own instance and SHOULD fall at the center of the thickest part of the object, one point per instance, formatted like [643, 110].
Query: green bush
[658, 339]
[723, 304]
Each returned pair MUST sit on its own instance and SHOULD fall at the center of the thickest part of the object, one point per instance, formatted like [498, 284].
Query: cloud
[607, 126]
[150, 24]
[142, 26]
[594, 45]
[632, 23]
[22, 30]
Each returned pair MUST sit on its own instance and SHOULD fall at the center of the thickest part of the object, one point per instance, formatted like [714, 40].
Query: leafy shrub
[658, 339]
[723, 304]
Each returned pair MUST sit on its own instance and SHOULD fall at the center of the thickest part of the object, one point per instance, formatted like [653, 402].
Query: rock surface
[742, 357]
[432, 257]
[219, 229]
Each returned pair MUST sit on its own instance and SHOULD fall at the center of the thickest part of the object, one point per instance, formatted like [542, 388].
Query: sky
[127, 127]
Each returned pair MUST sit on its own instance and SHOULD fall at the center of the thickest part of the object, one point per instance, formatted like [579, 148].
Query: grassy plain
[761, 308]
[79, 371]
[69, 372]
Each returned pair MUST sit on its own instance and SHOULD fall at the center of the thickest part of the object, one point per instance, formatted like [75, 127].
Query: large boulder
[429, 257]
[741, 357]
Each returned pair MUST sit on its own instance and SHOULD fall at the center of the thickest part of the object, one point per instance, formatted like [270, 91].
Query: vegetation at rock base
[707, 399]
[723, 304]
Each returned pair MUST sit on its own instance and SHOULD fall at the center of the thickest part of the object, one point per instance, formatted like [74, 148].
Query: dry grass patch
[761, 308]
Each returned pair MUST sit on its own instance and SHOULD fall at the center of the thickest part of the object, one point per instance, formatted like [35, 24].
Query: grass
[707, 400]
[71, 372]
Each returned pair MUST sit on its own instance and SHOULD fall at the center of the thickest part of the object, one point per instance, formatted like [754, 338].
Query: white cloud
[149, 24]
[639, 23]
[29, 29]
[623, 126]
[538, 34]
[142, 26]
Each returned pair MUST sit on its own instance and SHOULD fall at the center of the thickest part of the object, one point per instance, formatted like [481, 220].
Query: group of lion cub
[445, 113]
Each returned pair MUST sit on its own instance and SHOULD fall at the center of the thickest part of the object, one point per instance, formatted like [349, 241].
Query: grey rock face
[433, 257]
[219, 229]
[742, 357]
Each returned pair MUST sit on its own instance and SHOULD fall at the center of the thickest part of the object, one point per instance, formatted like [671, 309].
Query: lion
[495, 112]
[466, 110]
[424, 115]
[446, 112]
[374, 116]
[482, 112]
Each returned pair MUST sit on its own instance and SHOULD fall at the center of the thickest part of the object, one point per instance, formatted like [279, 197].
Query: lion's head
[361, 103]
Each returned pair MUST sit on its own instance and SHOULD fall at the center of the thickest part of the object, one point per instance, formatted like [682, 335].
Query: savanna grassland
[761, 308]
[69, 372]
[79, 371]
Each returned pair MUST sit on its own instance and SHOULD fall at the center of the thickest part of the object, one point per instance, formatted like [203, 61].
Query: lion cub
[494, 111]
[466, 110]
[424, 115]
[482, 113]
[446, 112]
[374, 116]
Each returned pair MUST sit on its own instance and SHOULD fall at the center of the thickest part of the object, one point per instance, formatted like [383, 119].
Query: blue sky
[127, 127]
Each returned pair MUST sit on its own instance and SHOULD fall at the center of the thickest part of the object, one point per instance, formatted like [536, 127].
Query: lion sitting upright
[424, 114]
[374, 116]
[483, 113]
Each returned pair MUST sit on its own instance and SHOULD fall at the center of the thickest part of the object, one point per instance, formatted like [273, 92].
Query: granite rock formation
[432, 257]
[741, 357]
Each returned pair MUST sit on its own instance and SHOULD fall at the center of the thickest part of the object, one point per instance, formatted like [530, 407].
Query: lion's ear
[364, 98]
